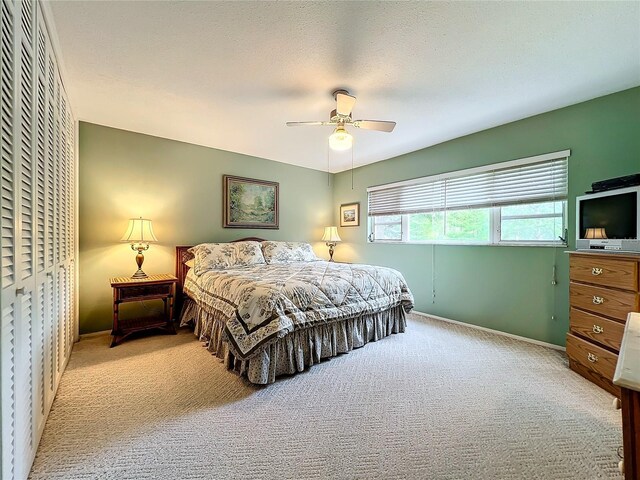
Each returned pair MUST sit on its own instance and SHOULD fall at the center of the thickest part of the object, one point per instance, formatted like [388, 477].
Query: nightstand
[154, 287]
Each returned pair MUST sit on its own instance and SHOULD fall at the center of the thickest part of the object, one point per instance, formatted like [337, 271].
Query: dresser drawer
[609, 272]
[591, 357]
[603, 301]
[144, 291]
[601, 330]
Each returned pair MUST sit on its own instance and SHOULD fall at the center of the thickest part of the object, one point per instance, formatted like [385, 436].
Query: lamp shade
[331, 235]
[598, 232]
[139, 231]
[340, 139]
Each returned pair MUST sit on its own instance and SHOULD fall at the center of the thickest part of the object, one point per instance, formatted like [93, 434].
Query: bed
[283, 314]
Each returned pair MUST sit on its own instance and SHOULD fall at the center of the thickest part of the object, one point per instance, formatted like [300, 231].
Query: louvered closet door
[59, 227]
[67, 225]
[50, 305]
[41, 313]
[18, 236]
[8, 239]
[71, 229]
[25, 226]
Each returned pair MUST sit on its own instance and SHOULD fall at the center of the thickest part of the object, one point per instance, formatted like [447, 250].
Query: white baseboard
[93, 334]
[490, 330]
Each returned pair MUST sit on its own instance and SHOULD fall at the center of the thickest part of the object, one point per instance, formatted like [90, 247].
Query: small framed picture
[350, 214]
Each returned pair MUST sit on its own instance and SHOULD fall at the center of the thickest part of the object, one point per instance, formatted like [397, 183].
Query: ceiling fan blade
[297, 124]
[379, 125]
[345, 104]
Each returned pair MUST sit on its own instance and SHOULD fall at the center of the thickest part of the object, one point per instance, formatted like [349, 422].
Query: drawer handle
[598, 300]
[598, 329]
[592, 358]
[596, 271]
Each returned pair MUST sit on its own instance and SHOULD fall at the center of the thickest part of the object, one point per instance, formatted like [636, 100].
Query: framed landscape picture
[350, 214]
[249, 203]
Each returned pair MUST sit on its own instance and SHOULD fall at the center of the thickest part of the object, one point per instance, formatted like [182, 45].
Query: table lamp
[140, 234]
[597, 232]
[331, 237]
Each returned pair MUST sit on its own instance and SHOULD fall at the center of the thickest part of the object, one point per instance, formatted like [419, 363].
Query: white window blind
[529, 180]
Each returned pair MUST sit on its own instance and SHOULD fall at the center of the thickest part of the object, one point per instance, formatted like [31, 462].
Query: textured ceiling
[230, 74]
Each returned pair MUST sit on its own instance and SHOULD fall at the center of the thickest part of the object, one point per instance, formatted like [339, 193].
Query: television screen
[617, 214]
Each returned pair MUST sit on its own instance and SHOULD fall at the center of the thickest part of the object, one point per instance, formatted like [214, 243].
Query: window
[454, 226]
[518, 202]
[538, 222]
[388, 228]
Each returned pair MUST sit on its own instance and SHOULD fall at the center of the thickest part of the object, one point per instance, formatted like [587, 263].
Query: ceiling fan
[341, 139]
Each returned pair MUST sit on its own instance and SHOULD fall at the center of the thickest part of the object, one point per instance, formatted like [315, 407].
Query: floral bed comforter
[265, 302]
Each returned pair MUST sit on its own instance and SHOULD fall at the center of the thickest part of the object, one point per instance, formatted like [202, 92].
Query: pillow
[213, 256]
[248, 253]
[220, 256]
[190, 263]
[286, 252]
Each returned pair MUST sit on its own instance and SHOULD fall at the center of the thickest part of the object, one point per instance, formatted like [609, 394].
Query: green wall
[179, 186]
[503, 288]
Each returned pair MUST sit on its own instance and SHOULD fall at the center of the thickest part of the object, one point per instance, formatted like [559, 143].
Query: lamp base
[139, 260]
[139, 274]
[331, 245]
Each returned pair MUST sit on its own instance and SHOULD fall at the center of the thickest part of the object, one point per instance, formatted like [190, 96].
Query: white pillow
[220, 256]
[287, 252]
[213, 256]
[248, 253]
[190, 263]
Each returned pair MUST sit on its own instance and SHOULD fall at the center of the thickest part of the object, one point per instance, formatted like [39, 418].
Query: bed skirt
[297, 350]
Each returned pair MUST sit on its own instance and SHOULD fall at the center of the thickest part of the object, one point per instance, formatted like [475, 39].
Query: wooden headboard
[182, 256]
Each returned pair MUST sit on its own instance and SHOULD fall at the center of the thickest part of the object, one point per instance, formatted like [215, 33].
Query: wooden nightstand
[127, 289]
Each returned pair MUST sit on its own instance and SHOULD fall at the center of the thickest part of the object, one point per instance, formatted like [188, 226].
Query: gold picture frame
[350, 214]
[250, 203]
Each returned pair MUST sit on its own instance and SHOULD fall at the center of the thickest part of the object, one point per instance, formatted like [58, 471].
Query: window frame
[495, 230]
[562, 215]
[404, 223]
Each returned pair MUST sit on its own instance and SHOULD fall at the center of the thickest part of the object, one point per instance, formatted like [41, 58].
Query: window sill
[474, 244]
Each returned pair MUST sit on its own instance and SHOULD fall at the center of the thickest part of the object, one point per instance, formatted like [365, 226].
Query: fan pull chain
[328, 166]
[352, 147]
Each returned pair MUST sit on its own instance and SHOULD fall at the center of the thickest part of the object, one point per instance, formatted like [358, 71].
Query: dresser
[604, 288]
[627, 377]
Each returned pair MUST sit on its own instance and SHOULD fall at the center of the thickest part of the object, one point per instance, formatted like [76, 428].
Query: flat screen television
[609, 220]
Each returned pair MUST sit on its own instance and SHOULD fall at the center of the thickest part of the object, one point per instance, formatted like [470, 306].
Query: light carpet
[440, 401]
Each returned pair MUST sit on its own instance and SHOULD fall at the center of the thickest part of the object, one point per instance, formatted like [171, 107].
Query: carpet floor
[440, 401]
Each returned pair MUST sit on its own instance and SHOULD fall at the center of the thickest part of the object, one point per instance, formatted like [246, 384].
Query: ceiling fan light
[340, 139]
